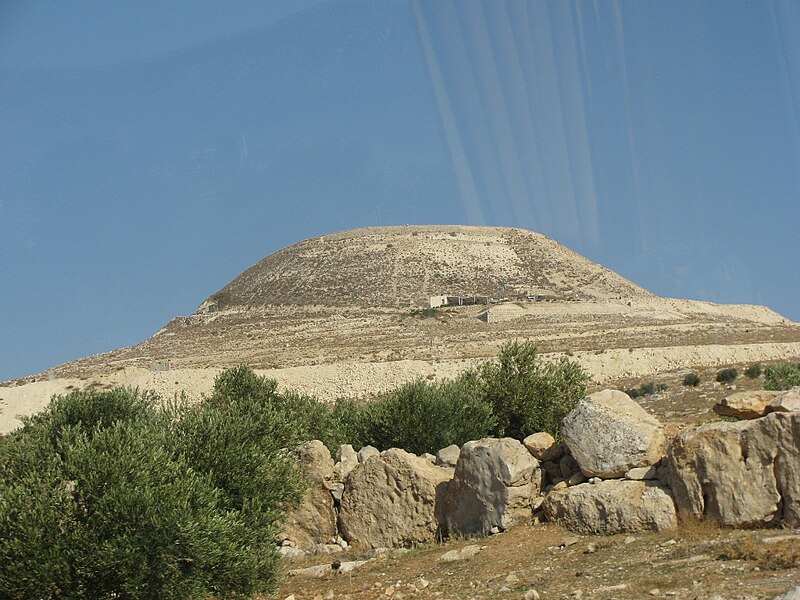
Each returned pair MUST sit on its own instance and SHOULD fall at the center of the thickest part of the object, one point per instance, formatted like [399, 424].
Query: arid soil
[693, 563]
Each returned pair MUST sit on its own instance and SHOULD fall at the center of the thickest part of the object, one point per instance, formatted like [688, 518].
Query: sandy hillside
[344, 315]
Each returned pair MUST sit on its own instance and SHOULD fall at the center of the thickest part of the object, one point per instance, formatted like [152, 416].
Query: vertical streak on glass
[455, 143]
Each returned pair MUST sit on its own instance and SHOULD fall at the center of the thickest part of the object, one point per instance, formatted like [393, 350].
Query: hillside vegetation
[120, 494]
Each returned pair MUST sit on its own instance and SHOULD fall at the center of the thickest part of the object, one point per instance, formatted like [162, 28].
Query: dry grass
[782, 554]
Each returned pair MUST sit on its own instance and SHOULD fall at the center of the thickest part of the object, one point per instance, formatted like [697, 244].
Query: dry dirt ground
[696, 562]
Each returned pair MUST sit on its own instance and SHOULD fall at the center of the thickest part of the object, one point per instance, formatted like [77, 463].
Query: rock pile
[614, 473]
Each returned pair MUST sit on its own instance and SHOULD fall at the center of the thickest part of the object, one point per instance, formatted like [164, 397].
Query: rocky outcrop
[390, 501]
[313, 522]
[610, 434]
[610, 507]
[493, 484]
[742, 474]
[745, 405]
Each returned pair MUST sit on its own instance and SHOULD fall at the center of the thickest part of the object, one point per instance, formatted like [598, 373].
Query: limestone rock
[314, 521]
[610, 434]
[786, 401]
[429, 457]
[346, 460]
[742, 474]
[611, 507]
[792, 594]
[543, 446]
[493, 484]
[326, 569]
[745, 405]
[390, 501]
[464, 553]
[291, 553]
[642, 473]
[316, 462]
[448, 457]
[367, 452]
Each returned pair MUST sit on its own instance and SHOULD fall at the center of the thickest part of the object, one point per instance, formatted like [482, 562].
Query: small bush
[647, 388]
[727, 375]
[633, 393]
[753, 371]
[782, 376]
[528, 395]
[423, 313]
[691, 379]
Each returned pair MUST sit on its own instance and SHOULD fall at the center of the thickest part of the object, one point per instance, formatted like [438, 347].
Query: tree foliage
[529, 395]
[424, 417]
[114, 495]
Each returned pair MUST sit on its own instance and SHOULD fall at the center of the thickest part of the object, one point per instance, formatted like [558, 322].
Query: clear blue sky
[152, 150]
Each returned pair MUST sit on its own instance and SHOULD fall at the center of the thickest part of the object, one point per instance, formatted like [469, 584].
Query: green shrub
[727, 375]
[423, 313]
[424, 417]
[691, 379]
[107, 495]
[647, 388]
[782, 376]
[528, 395]
[633, 393]
[753, 371]
[300, 417]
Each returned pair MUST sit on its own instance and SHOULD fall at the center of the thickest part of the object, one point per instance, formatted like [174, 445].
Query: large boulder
[493, 484]
[610, 507]
[742, 474]
[609, 434]
[390, 501]
[786, 401]
[315, 461]
[313, 522]
[745, 405]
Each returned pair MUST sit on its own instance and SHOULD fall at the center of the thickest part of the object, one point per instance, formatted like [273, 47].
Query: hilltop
[404, 266]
